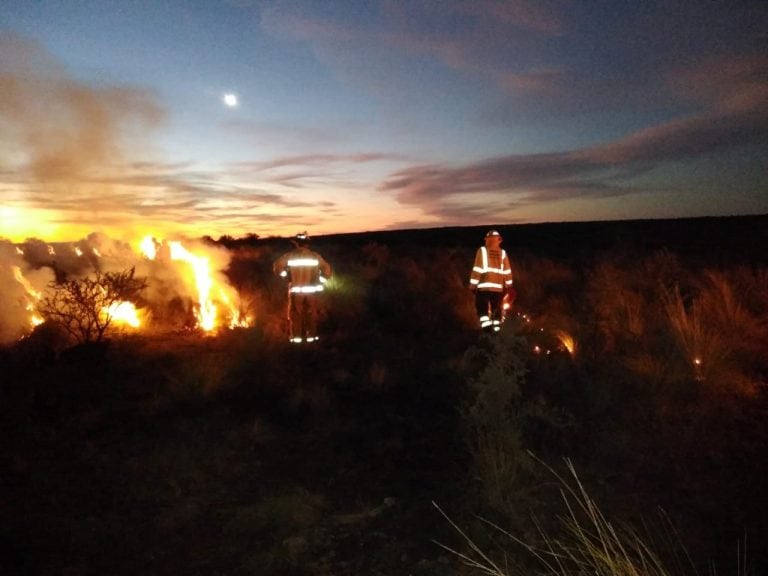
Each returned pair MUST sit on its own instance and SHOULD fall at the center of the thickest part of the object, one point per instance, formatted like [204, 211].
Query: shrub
[495, 413]
[588, 543]
[83, 306]
[716, 334]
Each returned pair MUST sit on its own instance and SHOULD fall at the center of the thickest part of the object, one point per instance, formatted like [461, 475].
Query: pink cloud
[723, 81]
[542, 16]
[737, 118]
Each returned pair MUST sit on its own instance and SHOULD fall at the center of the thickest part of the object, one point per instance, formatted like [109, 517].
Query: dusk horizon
[270, 117]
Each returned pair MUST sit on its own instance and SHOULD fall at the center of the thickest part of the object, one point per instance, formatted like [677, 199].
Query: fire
[148, 247]
[209, 292]
[185, 284]
[238, 320]
[206, 311]
[123, 313]
[24, 282]
[34, 295]
[567, 341]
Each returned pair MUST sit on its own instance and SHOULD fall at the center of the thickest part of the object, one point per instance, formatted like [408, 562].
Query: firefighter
[306, 272]
[491, 278]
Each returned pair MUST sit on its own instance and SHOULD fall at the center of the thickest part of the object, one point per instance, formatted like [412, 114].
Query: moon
[230, 100]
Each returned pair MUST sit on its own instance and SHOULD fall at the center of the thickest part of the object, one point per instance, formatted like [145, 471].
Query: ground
[176, 453]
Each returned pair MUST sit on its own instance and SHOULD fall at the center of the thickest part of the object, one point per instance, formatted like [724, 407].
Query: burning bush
[186, 286]
[86, 307]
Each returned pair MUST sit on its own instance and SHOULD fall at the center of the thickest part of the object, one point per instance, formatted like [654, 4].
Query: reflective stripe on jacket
[491, 270]
[305, 270]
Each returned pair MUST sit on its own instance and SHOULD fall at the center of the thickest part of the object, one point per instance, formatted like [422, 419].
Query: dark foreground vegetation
[173, 453]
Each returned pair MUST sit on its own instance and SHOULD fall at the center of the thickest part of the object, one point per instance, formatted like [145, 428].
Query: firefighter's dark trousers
[302, 317]
[489, 312]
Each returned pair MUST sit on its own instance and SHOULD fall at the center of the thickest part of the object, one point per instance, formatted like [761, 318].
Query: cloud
[602, 60]
[472, 36]
[724, 81]
[379, 48]
[541, 16]
[70, 145]
[735, 118]
[79, 153]
[285, 135]
[304, 171]
[551, 60]
[65, 129]
[321, 160]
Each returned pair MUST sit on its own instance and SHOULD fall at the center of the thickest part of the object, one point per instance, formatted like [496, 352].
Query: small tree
[82, 306]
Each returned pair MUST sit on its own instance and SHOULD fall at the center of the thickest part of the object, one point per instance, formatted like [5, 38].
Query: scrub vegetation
[616, 425]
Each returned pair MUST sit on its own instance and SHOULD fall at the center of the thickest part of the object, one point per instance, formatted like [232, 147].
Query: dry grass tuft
[590, 544]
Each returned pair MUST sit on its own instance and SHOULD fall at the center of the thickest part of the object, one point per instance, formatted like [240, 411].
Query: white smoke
[15, 298]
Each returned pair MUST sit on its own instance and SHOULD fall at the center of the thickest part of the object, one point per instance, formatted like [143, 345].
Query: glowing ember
[78, 251]
[566, 340]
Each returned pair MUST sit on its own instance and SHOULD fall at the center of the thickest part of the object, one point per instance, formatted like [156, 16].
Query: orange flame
[123, 312]
[148, 247]
[237, 318]
[567, 341]
[33, 295]
[207, 311]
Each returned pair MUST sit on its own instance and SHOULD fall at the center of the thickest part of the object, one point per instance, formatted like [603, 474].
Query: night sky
[271, 117]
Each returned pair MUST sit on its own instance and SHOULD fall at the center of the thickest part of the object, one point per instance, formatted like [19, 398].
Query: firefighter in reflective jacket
[491, 277]
[306, 272]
